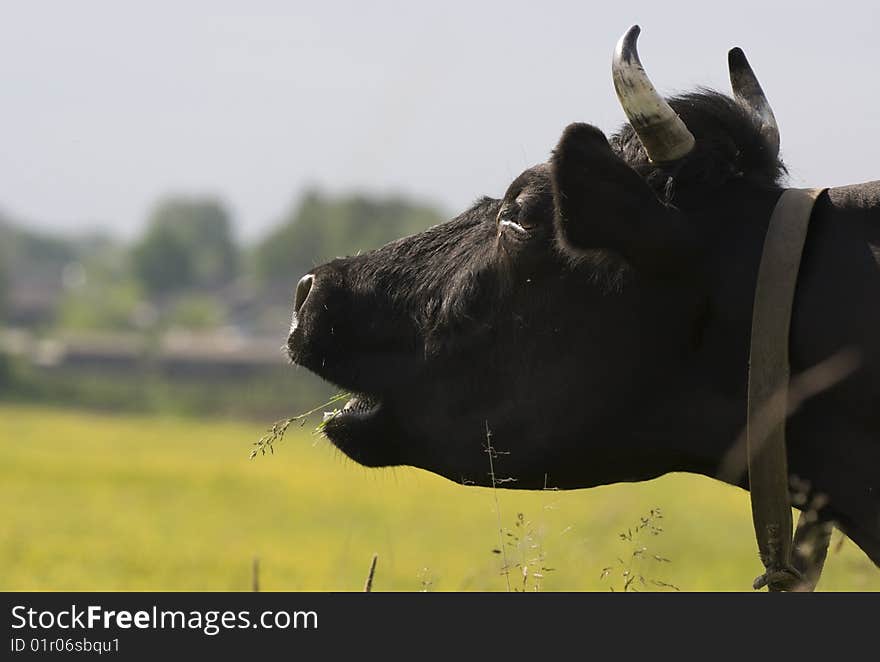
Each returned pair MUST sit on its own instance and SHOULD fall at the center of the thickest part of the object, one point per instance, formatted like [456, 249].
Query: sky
[107, 106]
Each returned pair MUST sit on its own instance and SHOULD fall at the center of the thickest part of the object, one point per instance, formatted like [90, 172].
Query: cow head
[564, 323]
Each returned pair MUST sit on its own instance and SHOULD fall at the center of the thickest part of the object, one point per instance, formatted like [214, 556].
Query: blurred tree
[101, 291]
[103, 305]
[188, 244]
[321, 228]
[196, 312]
[31, 264]
[23, 248]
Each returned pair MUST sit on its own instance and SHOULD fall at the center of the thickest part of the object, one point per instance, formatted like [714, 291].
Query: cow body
[835, 438]
[593, 324]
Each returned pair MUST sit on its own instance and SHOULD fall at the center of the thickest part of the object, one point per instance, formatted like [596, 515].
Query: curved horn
[663, 134]
[747, 91]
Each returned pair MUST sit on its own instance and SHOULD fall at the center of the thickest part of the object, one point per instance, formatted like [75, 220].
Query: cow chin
[372, 431]
[364, 431]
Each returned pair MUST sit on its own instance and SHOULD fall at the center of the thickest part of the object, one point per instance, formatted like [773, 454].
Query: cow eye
[509, 219]
[508, 224]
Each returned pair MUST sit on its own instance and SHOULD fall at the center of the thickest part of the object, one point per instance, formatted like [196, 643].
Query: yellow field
[92, 502]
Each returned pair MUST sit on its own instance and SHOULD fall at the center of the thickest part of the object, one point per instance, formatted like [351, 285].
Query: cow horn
[748, 92]
[663, 134]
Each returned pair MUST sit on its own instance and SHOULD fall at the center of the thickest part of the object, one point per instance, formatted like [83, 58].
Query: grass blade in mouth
[276, 433]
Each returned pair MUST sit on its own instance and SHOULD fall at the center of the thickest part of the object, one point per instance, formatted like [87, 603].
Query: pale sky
[106, 105]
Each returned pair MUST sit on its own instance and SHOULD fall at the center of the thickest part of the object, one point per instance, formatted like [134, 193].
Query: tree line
[187, 268]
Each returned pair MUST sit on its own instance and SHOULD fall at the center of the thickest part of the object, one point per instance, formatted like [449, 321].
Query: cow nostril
[303, 287]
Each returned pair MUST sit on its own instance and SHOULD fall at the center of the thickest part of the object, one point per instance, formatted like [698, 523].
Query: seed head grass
[276, 433]
[636, 567]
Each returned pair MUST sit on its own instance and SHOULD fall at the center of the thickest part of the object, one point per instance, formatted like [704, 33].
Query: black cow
[595, 320]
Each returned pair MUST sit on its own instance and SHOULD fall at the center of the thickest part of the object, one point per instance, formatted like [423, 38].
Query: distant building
[176, 354]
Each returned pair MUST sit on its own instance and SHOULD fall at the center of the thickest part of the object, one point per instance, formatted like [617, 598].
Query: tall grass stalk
[492, 453]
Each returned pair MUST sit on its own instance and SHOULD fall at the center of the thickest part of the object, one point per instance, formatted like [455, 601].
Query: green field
[103, 502]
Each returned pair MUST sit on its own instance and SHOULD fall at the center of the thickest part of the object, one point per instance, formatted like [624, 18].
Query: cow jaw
[363, 430]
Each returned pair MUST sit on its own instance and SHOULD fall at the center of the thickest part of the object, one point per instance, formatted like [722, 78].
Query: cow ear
[602, 203]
